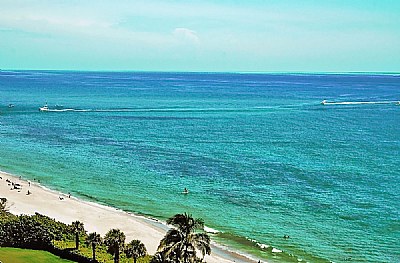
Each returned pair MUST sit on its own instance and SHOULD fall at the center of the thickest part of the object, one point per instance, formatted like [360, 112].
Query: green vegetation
[101, 252]
[27, 232]
[93, 239]
[115, 241]
[135, 249]
[181, 244]
[18, 255]
[3, 203]
[77, 228]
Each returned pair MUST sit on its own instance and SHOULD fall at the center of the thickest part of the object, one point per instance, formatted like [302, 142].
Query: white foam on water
[262, 246]
[211, 230]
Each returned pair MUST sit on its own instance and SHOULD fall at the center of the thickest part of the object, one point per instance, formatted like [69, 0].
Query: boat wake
[66, 110]
[210, 109]
[44, 109]
[324, 102]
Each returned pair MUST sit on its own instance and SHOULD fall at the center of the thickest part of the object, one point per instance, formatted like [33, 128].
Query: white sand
[96, 218]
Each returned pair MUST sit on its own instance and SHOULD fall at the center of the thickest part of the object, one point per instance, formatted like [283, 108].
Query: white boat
[44, 108]
[323, 102]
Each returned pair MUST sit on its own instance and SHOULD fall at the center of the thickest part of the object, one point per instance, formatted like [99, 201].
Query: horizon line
[211, 72]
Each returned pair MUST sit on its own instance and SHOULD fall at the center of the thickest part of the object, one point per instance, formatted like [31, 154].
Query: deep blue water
[261, 157]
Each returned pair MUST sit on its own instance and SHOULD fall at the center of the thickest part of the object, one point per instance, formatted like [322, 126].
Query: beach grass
[18, 255]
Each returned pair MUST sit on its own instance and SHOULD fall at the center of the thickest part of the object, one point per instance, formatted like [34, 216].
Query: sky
[207, 36]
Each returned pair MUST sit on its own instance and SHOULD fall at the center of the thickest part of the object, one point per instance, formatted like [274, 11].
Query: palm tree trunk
[116, 258]
[185, 260]
[94, 252]
[76, 240]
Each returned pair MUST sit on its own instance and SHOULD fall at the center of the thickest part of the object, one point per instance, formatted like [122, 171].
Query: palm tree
[93, 239]
[77, 228]
[115, 241]
[135, 249]
[3, 208]
[181, 243]
[3, 204]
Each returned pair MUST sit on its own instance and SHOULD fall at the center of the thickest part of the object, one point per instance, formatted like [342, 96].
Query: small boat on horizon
[44, 108]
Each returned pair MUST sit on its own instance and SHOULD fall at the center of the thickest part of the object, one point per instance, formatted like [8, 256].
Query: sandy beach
[96, 218]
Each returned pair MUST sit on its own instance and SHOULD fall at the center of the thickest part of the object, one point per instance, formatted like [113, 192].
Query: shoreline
[96, 217]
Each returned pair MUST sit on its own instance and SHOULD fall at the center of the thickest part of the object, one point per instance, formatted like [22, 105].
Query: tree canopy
[183, 242]
[115, 241]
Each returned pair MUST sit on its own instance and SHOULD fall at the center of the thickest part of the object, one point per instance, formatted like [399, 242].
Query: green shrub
[25, 232]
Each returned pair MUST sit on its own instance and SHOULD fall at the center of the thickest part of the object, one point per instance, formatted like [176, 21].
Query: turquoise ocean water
[261, 157]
